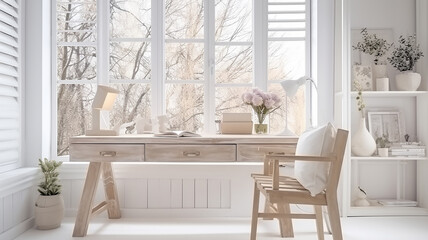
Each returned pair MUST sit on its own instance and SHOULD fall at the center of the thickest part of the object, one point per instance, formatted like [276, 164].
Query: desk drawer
[251, 152]
[106, 152]
[190, 153]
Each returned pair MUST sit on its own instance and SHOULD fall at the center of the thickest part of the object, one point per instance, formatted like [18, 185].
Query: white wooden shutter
[288, 20]
[10, 100]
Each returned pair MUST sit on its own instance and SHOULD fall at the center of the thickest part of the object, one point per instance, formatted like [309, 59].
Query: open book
[177, 134]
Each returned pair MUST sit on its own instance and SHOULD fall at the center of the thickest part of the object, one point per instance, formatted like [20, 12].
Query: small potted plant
[404, 57]
[382, 146]
[50, 203]
[373, 46]
[377, 47]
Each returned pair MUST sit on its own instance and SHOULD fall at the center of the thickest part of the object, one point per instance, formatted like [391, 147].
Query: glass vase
[260, 128]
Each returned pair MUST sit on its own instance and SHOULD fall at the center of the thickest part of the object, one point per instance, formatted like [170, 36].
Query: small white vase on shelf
[382, 84]
[363, 144]
[379, 71]
[408, 81]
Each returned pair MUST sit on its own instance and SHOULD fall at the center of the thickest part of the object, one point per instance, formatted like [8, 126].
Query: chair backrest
[336, 166]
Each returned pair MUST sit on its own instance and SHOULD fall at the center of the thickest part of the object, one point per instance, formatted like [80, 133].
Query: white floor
[355, 228]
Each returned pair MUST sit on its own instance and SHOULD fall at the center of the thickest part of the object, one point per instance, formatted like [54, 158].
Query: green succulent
[382, 142]
[50, 184]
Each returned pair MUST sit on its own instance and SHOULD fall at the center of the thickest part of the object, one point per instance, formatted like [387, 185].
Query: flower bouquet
[262, 103]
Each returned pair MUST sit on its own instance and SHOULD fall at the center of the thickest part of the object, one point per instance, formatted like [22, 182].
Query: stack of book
[236, 123]
[408, 150]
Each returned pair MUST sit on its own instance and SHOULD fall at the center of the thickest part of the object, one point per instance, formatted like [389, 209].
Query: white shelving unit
[395, 178]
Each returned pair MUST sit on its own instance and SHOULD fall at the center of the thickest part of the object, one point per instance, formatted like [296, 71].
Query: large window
[190, 60]
[10, 85]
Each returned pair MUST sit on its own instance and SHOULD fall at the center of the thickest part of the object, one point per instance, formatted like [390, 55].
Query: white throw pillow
[314, 142]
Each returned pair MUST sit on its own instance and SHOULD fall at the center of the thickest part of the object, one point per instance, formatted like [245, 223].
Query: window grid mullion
[209, 73]
[103, 42]
[260, 44]
[158, 59]
[312, 110]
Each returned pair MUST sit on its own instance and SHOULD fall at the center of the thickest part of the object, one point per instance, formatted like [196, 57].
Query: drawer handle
[191, 154]
[108, 153]
[278, 153]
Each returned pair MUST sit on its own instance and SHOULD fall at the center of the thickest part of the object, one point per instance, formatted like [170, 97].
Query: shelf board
[386, 211]
[390, 93]
[390, 158]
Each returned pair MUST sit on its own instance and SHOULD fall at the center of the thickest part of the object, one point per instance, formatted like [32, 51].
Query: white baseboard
[17, 230]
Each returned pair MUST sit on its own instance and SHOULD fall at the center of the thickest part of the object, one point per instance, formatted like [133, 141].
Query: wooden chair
[281, 191]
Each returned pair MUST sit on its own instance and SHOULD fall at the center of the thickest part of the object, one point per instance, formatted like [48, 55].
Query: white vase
[408, 81]
[363, 144]
[382, 84]
[49, 211]
[379, 71]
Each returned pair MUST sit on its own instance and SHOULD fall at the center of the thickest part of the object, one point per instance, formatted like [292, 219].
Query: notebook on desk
[177, 134]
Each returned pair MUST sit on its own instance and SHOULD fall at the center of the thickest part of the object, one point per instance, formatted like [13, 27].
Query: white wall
[37, 82]
[323, 58]
[396, 14]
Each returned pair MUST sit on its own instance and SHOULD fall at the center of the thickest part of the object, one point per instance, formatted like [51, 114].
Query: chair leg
[326, 219]
[333, 212]
[255, 214]
[285, 224]
[319, 221]
[267, 209]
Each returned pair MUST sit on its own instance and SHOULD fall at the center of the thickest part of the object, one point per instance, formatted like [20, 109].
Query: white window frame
[259, 42]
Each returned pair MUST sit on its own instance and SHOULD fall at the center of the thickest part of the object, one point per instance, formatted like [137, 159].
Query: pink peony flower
[247, 97]
[276, 99]
[269, 103]
[257, 100]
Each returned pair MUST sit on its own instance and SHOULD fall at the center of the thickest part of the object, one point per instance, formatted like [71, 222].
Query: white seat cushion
[314, 142]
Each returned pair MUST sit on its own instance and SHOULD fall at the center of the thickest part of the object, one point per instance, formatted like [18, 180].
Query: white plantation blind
[10, 100]
[288, 20]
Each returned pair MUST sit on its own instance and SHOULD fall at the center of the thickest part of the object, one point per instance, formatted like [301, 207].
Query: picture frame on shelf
[385, 124]
[362, 75]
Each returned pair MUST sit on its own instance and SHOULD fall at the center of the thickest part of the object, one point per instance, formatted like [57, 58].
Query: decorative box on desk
[236, 123]
[100, 151]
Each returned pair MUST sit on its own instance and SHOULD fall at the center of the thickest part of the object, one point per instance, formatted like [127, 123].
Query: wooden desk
[101, 151]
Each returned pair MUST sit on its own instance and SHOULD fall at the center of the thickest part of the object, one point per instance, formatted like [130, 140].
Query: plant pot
[408, 81]
[382, 152]
[362, 142]
[49, 211]
[260, 128]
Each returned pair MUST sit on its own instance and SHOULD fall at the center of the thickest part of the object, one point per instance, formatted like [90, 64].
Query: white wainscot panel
[214, 193]
[159, 193]
[176, 193]
[8, 212]
[188, 193]
[135, 191]
[1, 215]
[201, 193]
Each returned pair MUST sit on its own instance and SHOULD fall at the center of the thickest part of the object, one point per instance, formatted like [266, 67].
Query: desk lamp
[290, 87]
[104, 99]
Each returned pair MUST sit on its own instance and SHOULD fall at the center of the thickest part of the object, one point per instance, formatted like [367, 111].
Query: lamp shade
[291, 86]
[104, 98]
